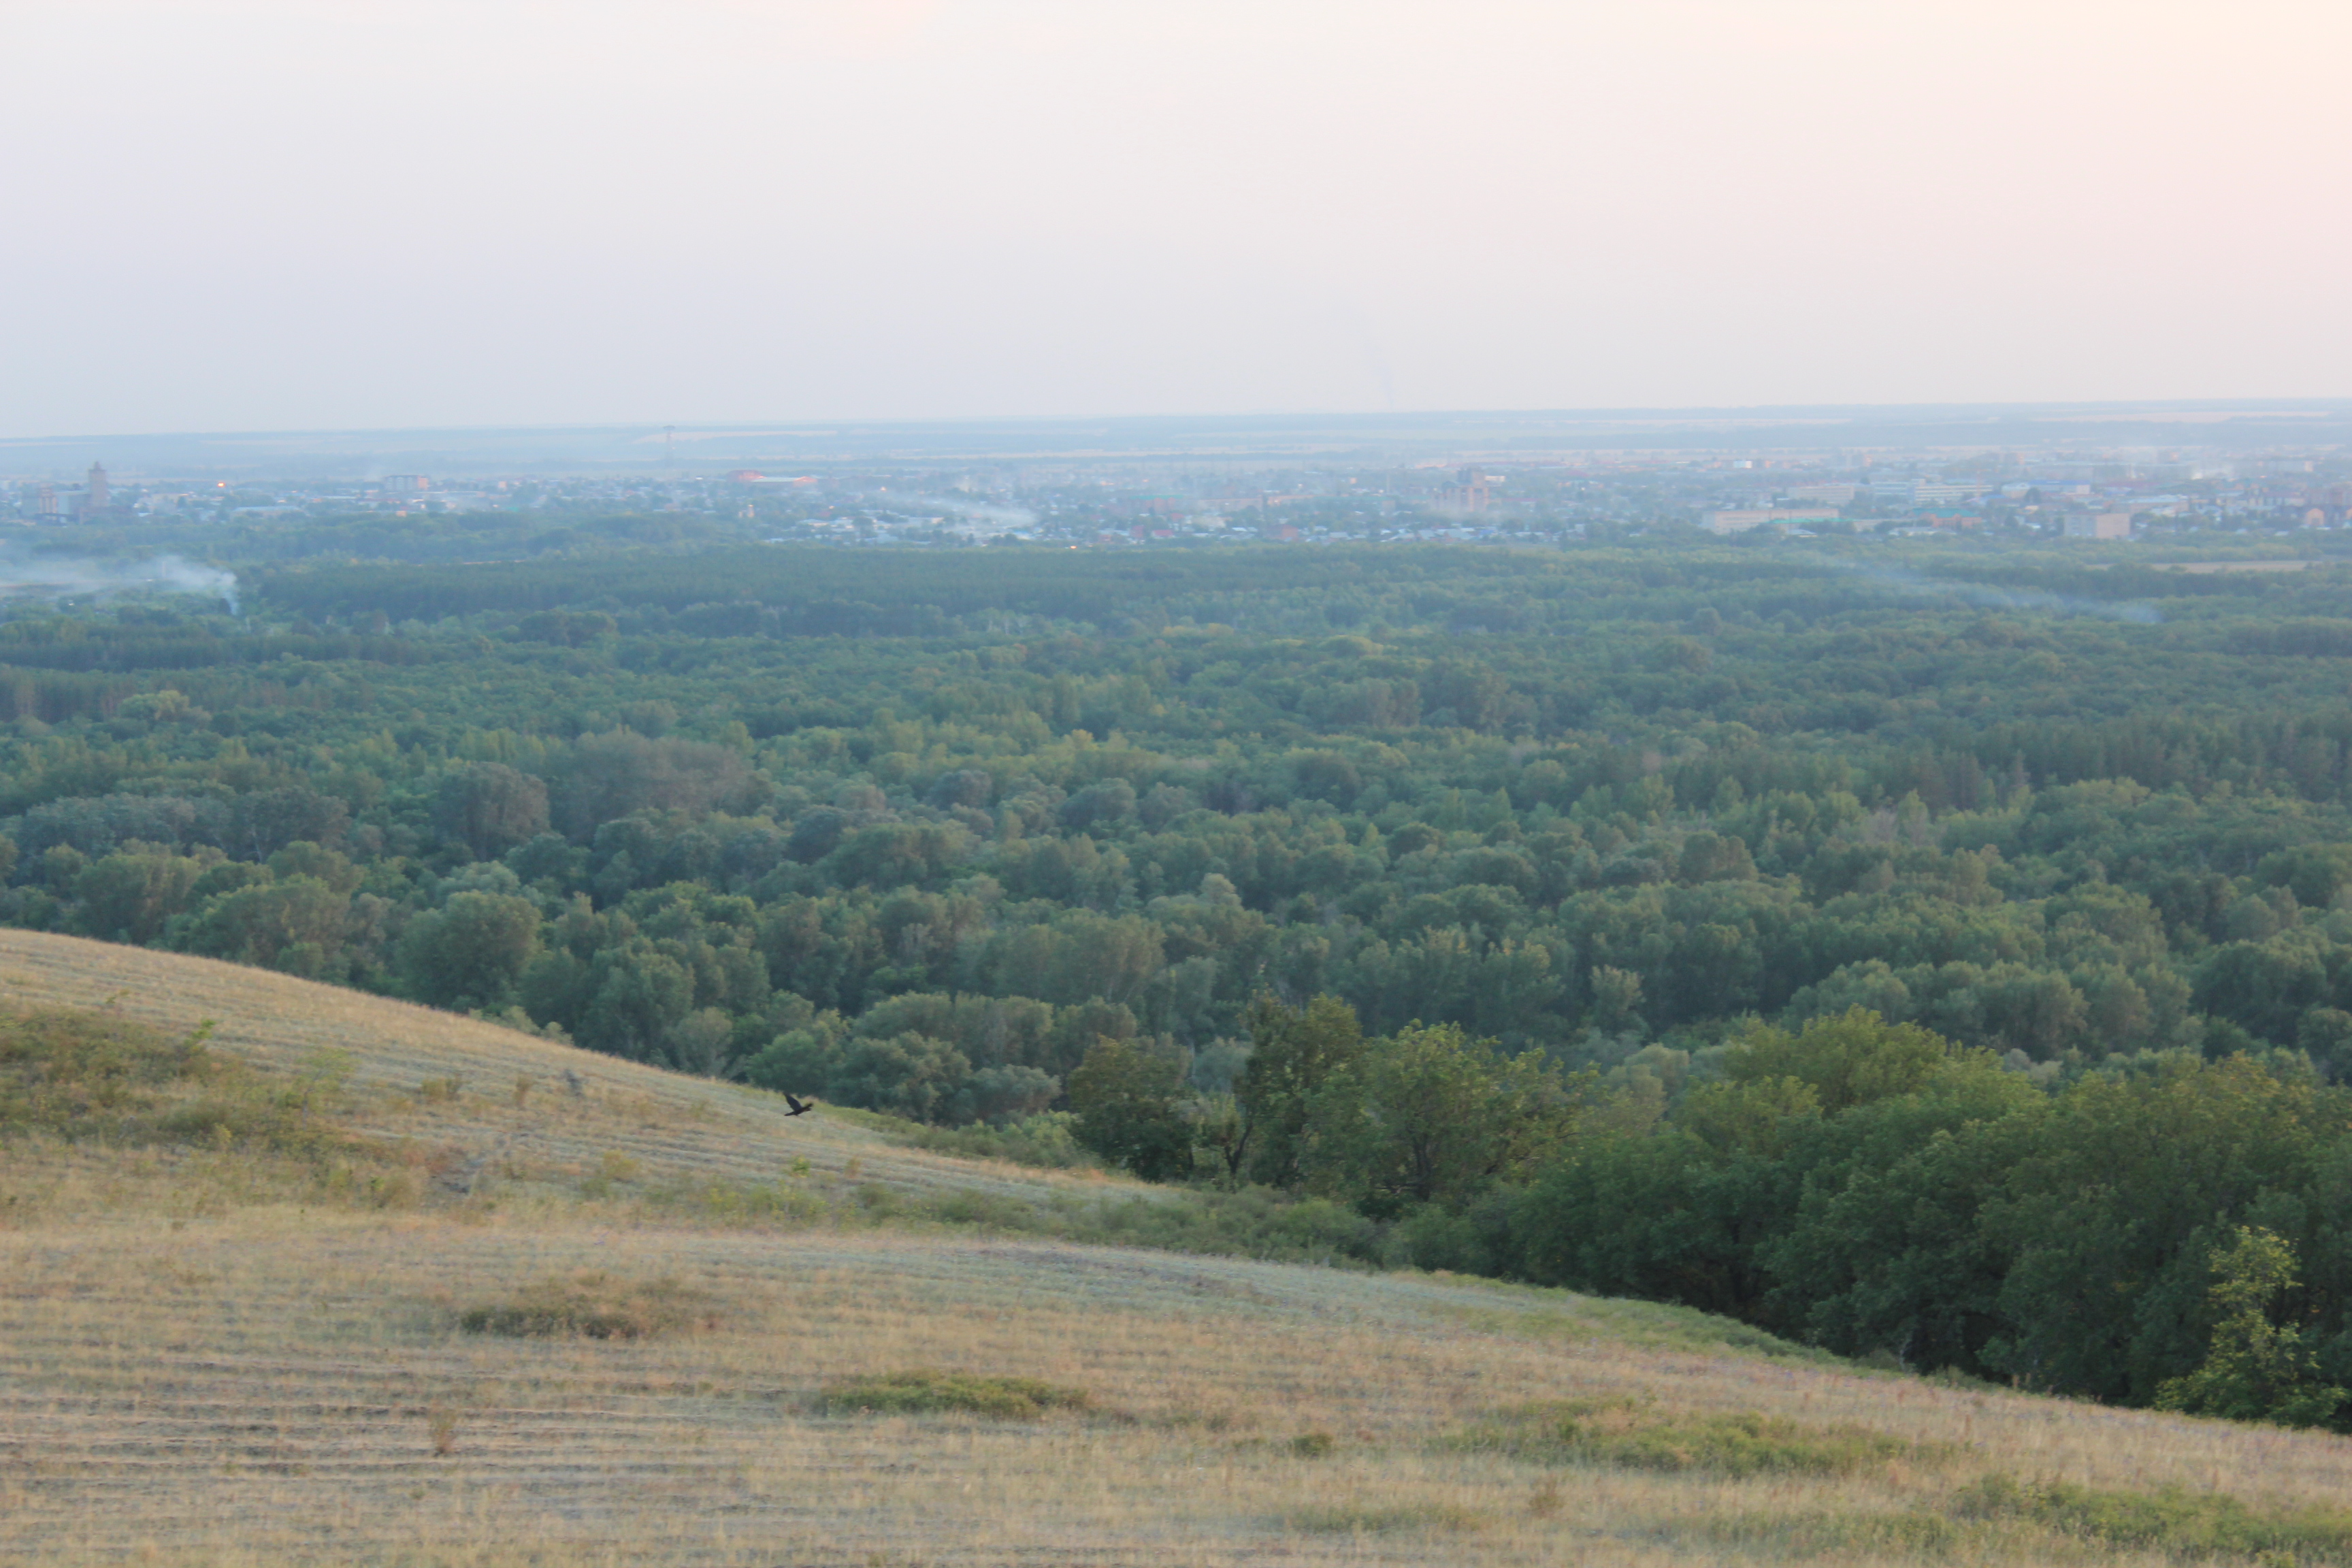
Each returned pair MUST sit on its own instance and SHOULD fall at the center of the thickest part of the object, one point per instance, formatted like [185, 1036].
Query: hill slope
[299, 1381]
[450, 1083]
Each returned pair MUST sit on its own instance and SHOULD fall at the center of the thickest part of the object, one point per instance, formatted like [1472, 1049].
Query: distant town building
[1469, 494]
[1923, 492]
[97, 495]
[406, 484]
[2098, 525]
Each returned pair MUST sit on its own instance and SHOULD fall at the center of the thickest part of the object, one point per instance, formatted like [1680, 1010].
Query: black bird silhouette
[799, 1107]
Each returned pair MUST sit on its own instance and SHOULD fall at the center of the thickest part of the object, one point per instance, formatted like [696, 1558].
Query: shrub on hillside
[594, 1306]
[95, 1076]
[923, 1392]
[1633, 1434]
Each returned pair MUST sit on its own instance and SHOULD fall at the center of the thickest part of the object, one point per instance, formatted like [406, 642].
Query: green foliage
[1047, 1140]
[1293, 1052]
[1852, 1059]
[471, 952]
[130, 895]
[1968, 1220]
[922, 1392]
[591, 1305]
[2255, 1370]
[2132, 1178]
[94, 1077]
[1345, 1520]
[1126, 1098]
[908, 1075]
[297, 925]
[490, 808]
[1635, 1435]
[1427, 1116]
[2179, 1522]
[82, 1074]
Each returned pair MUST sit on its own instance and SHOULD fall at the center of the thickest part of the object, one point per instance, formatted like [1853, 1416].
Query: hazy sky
[264, 214]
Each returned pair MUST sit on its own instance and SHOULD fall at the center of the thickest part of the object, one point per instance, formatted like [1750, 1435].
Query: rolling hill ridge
[616, 1314]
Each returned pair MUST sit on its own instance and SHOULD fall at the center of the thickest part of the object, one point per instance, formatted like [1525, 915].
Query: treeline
[2165, 1231]
[1020, 579]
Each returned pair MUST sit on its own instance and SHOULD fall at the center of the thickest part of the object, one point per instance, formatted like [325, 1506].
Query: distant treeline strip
[839, 585]
[92, 646]
[2123, 581]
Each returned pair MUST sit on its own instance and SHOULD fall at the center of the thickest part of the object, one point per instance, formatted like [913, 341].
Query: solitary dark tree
[1125, 1099]
[1292, 1052]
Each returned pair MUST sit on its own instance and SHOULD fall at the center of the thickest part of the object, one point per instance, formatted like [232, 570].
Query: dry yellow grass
[281, 1382]
[450, 1085]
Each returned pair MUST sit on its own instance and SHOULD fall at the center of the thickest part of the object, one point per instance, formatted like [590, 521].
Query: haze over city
[262, 214]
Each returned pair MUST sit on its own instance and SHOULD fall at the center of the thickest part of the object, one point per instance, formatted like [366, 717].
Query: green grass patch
[1903, 1535]
[80, 1074]
[1343, 1521]
[2175, 1521]
[1633, 1434]
[1045, 1140]
[95, 1076]
[1256, 1222]
[1540, 1313]
[593, 1306]
[2012, 1516]
[924, 1391]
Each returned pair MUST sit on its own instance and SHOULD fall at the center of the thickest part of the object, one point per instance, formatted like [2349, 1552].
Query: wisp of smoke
[980, 512]
[1992, 598]
[57, 577]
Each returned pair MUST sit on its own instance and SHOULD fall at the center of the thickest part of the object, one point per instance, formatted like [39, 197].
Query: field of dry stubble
[197, 1366]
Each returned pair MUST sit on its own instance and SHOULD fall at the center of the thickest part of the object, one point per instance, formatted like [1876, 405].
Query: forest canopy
[1228, 858]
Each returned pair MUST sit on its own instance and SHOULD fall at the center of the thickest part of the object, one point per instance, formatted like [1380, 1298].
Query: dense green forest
[1951, 962]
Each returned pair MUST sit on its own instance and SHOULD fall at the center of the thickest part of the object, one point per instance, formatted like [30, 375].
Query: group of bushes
[2163, 1230]
[80, 1075]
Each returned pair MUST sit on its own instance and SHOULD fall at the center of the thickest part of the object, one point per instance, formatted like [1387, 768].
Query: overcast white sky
[263, 214]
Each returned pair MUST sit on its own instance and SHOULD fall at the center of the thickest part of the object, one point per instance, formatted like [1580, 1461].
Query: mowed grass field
[487, 1102]
[208, 1359]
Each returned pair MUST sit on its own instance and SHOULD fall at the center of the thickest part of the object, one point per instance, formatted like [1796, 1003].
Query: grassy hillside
[481, 1108]
[565, 1327]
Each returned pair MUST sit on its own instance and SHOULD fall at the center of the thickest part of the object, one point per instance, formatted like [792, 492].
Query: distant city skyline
[1167, 484]
[1844, 434]
[264, 216]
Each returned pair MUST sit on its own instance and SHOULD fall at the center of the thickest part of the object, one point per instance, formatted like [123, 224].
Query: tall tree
[1430, 1116]
[1293, 1051]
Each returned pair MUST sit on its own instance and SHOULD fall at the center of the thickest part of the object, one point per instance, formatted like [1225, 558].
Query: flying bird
[799, 1107]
